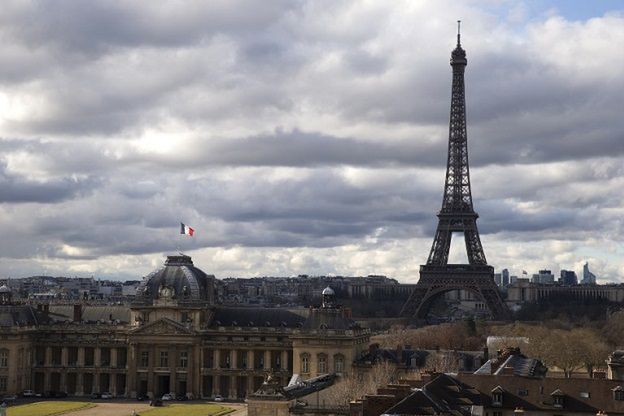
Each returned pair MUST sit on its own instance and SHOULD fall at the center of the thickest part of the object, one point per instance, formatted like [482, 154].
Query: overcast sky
[305, 136]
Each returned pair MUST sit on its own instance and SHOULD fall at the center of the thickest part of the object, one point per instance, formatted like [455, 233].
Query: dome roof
[178, 280]
[328, 291]
[4, 289]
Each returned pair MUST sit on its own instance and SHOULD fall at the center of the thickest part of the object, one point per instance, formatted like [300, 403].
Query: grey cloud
[15, 189]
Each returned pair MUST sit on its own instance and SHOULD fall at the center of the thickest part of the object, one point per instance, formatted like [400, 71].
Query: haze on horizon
[305, 137]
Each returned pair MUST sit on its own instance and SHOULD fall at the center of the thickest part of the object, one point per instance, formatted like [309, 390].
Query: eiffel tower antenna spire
[457, 216]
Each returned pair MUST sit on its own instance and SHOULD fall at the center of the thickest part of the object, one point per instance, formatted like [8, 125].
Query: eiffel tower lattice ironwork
[456, 216]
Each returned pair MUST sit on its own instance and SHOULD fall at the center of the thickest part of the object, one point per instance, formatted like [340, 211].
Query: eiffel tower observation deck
[457, 215]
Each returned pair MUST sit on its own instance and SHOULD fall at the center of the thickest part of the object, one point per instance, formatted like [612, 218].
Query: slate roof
[511, 358]
[329, 318]
[91, 313]
[442, 395]
[401, 357]
[20, 315]
[258, 317]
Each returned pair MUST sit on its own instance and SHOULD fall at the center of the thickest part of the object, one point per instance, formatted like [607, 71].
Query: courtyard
[123, 408]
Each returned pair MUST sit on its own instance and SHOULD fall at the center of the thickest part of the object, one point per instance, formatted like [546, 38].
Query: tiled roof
[580, 394]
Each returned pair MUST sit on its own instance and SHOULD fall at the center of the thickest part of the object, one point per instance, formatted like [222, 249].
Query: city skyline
[305, 137]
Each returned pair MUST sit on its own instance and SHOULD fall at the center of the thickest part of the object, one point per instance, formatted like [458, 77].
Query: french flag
[185, 229]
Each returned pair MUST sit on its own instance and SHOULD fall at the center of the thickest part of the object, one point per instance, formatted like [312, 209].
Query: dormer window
[618, 393]
[558, 397]
[497, 396]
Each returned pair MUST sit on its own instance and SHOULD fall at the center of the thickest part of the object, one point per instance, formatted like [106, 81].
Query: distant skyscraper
[588, 277]
[505, 274]
[498, 280]
[568, 277]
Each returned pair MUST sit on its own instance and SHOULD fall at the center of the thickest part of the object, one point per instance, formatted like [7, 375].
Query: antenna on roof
[458, 32]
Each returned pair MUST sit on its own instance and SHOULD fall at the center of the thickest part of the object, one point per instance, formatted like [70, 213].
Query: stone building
[172, 338]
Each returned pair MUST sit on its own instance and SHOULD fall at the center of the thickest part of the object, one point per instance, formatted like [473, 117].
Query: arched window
[305, 363]
[339, 363]
[322, 364]
[4, 358]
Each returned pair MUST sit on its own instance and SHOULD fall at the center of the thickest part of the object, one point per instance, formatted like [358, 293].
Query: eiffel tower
[456, 216]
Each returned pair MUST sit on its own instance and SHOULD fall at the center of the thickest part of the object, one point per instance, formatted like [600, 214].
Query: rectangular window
[4, 358]
[144, 359]
[183, 359]
[164, 359]
[3, 384]
[338, 364]
[322, 364]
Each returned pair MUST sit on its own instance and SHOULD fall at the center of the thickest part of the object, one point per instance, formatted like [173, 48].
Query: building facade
[172, 338]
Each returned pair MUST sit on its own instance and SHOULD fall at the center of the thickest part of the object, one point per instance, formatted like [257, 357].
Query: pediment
[163, 326]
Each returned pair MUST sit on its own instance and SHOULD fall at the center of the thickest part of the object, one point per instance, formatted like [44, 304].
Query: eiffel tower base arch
[437, 280]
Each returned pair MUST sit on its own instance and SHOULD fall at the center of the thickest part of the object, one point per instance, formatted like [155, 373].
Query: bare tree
[442, 362]
[353, 387]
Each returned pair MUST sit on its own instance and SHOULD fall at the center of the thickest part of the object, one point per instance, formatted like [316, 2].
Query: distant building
[498, 279]
[173, 337]
[588, 277]
[505, 275]
[568, 278]
[524, 291]
[544, 277]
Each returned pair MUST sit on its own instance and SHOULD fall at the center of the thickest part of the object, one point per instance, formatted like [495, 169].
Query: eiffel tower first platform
[456, 216]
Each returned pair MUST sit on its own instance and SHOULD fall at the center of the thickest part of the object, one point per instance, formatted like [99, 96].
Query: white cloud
[305, 137]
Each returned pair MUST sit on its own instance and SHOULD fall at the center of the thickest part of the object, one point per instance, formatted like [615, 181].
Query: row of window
[321, 363]
[164, 359]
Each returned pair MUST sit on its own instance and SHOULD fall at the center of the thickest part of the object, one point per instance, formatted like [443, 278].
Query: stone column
[217, 358]
[173, 362]
[233, 387]
[284, 361]
[250, 386]
[63, 381]
[112, 384]
[47, 359]
[113, 357]
[64, 356]
[96, 382]
[216, 385]
[97, 357]
[131, 375]
[79, 384]
[267, 360]
[46, 380]
[195, 372]
[81, 356]
[150, 373]
[233, 359]
[250, 363]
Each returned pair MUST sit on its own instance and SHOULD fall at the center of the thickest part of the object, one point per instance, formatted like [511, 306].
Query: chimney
[78, 313]
[486, 354]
